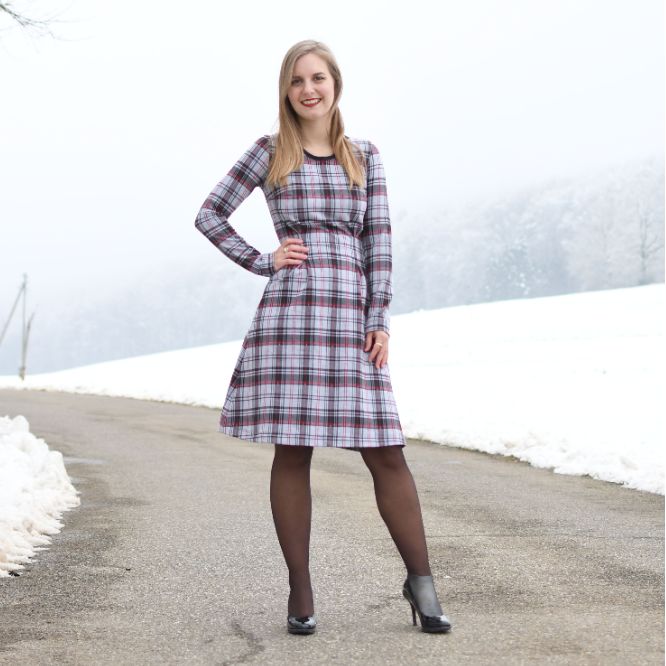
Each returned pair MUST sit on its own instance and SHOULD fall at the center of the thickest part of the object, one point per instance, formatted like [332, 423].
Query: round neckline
[318, 157]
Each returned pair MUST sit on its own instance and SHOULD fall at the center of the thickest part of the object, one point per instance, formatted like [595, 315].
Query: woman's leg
[398, 504]
[291, 503]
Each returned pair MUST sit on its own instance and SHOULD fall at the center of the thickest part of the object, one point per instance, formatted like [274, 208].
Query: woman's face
[312, 88]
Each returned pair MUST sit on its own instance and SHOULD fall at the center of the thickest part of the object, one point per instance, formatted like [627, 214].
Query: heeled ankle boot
[422, 597]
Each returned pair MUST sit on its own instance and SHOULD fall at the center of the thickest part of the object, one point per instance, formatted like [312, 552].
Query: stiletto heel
[426, 595]
[301, 625]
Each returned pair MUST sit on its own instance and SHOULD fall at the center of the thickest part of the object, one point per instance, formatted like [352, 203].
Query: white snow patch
[34, 491]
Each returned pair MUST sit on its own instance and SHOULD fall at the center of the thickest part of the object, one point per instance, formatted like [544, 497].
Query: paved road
[172, 556]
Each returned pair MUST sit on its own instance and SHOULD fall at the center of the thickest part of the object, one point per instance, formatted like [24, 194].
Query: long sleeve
[377, 252]
[213, 218]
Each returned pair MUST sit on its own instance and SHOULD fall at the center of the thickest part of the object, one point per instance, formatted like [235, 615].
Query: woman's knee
[384, 458]
[293, 455]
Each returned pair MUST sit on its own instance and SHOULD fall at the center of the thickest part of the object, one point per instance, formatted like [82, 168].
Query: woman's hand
[377, 343]
[291, 251]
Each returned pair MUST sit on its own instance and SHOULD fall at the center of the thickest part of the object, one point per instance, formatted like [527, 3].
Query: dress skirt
[302, 377]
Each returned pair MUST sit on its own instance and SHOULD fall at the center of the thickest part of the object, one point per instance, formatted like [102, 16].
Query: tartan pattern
[302, 377]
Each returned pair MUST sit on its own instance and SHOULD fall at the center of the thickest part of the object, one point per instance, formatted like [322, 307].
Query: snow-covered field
[572, 383]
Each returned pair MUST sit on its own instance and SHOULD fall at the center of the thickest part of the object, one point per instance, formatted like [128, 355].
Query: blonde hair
[287, 145]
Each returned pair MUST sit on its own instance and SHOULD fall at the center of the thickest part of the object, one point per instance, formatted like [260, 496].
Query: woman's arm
[377, 254]
[213, 218]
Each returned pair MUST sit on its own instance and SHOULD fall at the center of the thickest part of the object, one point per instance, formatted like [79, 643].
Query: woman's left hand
[376, 342]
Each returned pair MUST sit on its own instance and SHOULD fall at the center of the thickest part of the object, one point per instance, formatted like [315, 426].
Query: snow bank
[34, 491]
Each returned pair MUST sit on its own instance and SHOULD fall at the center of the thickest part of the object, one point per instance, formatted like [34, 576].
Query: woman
[313, 368]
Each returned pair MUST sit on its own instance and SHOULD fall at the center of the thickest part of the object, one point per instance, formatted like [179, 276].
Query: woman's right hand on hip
[291, 251]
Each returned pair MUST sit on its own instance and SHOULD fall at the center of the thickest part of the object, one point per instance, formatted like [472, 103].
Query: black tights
[291, 504]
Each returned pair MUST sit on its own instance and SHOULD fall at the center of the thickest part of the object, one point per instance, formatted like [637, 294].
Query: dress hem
[314, 445]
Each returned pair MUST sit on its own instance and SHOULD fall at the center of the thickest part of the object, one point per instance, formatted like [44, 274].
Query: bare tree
[40, 26]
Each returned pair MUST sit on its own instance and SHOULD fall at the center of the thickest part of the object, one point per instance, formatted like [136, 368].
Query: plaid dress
[302, 377]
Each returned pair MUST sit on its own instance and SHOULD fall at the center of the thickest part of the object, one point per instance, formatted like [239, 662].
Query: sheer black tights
[291, 504]
[399, 506]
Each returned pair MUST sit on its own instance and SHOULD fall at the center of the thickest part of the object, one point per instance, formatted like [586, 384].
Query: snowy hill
[573, 383]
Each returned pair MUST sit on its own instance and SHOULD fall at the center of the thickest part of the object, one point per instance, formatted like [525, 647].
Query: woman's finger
[378, 352]
[291, 251]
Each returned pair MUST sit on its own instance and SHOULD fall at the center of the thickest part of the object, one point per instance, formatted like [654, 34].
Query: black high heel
[305, 624]
[426, 593]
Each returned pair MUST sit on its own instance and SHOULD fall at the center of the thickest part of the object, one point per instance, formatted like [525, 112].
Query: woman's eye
[318, 78]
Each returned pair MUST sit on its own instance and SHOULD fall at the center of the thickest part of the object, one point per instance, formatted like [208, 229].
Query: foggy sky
[114, 134]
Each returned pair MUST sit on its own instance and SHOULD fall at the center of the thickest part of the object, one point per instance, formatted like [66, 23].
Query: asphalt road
[172, 556]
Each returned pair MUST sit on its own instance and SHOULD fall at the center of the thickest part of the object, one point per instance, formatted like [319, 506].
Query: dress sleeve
[376, 238]
[213, 218]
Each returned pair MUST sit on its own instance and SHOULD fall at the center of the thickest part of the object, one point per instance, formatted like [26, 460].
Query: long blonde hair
[287, 145]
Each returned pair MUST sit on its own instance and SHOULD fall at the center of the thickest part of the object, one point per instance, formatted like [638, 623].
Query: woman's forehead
[311, 64]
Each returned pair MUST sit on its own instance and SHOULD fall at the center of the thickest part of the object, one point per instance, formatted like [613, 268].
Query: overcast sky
[114, 134]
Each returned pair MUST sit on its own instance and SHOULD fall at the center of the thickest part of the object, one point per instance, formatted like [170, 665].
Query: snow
[34, 491]
[571, 383]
